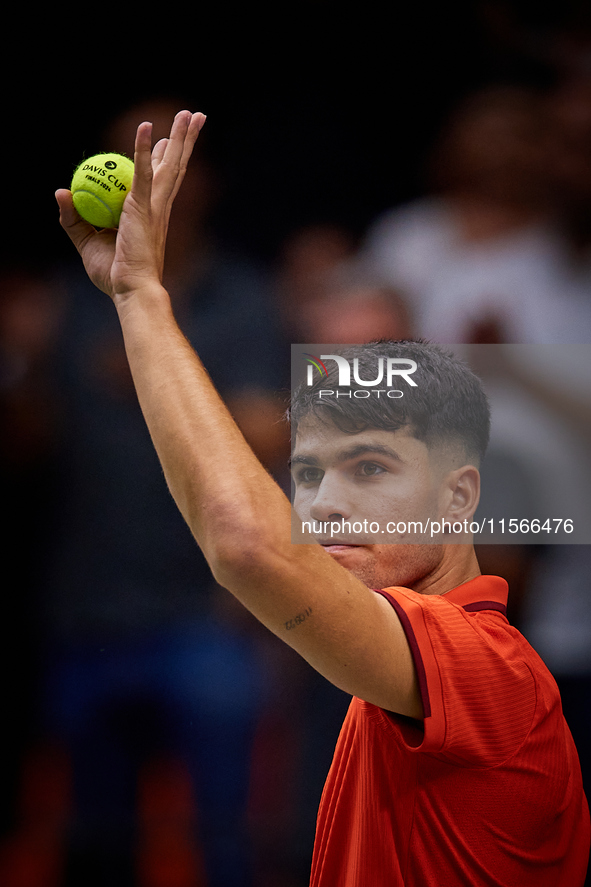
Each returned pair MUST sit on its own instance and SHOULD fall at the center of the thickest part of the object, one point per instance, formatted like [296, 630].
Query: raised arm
[239, 516]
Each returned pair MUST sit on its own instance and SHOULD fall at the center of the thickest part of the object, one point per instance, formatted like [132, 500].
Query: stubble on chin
[408, 566]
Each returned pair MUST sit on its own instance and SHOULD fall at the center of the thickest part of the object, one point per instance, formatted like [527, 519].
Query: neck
[459, 564]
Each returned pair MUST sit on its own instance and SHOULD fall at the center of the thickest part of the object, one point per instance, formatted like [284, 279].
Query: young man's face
[361, 492]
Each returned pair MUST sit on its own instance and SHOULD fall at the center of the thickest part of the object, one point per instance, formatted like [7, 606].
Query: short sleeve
[478, 690]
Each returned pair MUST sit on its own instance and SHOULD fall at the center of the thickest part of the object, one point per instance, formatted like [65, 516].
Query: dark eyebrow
[349, 453]
[362, 449]
[302, 460]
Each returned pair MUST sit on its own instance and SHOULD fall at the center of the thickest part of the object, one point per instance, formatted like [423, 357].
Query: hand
[131, 258]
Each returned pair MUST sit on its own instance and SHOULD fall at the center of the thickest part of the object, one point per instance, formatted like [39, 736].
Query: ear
[461, 494]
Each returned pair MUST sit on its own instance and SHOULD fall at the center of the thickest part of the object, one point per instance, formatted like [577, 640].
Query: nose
[330, 502]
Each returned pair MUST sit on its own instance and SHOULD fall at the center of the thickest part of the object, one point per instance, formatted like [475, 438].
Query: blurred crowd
[161, 737]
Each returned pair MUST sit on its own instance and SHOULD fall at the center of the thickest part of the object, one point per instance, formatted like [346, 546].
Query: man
[455, 765]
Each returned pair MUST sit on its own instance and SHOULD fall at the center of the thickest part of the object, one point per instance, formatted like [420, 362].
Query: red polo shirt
[486, 790]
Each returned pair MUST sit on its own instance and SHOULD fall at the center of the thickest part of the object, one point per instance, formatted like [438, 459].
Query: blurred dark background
[321, 111]
[325, 122]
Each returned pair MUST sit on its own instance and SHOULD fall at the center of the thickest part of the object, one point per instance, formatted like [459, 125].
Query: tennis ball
[99, 187]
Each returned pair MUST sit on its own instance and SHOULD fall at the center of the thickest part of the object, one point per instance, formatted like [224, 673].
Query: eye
[369, 469]
[308, 474]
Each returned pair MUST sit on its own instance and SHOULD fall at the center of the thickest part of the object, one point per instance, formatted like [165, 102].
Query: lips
[333, 546]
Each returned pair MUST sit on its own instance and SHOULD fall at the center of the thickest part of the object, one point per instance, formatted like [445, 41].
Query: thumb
[77, 229]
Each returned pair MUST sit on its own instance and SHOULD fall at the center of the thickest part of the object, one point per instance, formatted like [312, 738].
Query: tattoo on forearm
[297, 620]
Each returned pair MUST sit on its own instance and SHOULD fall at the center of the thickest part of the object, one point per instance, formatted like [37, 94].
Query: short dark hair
[448, 404]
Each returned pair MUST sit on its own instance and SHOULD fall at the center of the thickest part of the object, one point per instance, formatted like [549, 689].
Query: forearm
[220, 487]
[242, 520]
[239, 516]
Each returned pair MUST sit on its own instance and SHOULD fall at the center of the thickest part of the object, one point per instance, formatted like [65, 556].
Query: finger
[158, 153]
[184, 134]
[142, 173]
[174, 148]
[77, 229]
[195, 126]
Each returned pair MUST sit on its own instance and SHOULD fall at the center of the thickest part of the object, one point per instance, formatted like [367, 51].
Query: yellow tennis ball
[99, 188]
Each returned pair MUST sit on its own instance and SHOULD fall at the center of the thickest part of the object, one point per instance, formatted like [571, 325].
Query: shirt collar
[481, 593]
